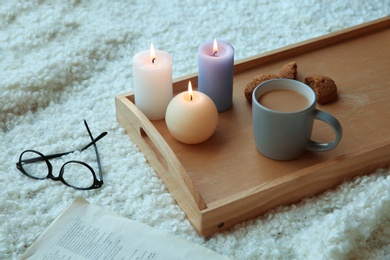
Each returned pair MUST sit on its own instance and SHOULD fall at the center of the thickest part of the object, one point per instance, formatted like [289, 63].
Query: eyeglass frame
[96, 182]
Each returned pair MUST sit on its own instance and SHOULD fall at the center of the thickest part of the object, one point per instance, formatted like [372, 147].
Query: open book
[86, 231]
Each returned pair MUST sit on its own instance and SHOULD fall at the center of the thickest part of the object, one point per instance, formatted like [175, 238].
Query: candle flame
[215, 47]
[190, 94]
[152, 53]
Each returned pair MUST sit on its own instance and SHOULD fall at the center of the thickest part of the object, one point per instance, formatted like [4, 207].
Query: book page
[86, 231]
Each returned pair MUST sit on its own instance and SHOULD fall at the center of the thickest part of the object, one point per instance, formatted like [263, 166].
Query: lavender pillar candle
[215, 72]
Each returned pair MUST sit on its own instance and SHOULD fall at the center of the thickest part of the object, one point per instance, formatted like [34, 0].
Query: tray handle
[158, 153]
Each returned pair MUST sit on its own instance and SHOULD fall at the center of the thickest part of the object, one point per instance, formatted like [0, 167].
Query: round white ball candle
[152, 73]
[191, 117]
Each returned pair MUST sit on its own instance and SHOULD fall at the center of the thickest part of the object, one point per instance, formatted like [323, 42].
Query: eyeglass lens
[77, 174]
[38, 169]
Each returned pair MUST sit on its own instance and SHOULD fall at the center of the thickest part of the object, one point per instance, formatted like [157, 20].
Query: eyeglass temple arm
[93, 141]
[96, 150]
[52, 156]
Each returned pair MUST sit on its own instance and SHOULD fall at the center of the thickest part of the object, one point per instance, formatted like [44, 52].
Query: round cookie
[255, 82]
[325, 88]
[289, 70]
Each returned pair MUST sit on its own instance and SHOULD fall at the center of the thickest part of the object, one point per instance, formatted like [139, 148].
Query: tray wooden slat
[224, 180]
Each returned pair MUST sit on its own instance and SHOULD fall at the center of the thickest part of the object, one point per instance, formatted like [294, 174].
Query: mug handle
[332, 122]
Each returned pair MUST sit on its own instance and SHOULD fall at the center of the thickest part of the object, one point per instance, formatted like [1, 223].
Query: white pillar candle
[152, 73]
[191, 117]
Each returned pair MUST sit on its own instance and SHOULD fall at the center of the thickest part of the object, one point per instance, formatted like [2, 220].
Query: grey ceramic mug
[286, 135]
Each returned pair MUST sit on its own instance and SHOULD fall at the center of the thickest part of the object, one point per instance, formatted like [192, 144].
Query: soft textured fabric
[65, 61]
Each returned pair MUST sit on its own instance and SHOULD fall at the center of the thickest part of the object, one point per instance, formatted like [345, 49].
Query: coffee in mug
[283, 100]
[283, 113]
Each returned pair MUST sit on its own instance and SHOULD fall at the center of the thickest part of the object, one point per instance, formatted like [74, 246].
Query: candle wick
[215, 53]
[191, 97]
[153, 60]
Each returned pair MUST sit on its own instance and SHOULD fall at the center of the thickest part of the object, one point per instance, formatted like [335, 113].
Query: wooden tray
[224, 180]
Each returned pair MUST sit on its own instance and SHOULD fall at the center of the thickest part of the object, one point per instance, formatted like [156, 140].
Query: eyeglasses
[75, 174]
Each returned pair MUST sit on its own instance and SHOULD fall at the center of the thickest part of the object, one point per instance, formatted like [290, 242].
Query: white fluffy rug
[65, 61]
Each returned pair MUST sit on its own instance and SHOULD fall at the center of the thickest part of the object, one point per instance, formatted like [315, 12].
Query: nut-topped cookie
[325, 88]
[255, 82]
[289, 70]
